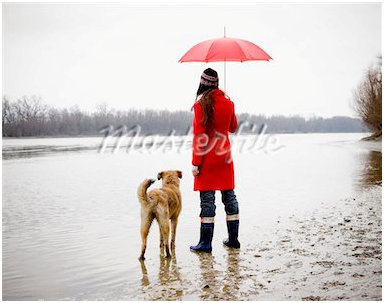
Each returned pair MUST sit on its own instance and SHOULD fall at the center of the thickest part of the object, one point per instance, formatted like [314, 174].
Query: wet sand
[333, 253]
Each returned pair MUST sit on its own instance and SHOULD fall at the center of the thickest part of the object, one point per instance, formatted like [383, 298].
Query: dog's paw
[151, 181]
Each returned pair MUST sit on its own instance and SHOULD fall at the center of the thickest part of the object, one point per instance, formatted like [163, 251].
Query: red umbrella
[225, 49]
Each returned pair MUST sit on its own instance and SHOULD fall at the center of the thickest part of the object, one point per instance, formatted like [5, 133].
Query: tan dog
[162, 204]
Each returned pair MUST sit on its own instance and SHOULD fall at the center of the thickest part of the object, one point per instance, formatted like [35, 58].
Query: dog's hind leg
[164, 227]
[174, 222]
[146, 221]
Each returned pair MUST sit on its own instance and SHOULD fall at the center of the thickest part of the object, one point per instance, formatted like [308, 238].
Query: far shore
[165, 134]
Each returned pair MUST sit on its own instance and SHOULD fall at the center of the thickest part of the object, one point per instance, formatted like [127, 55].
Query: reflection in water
[232, 276]
[372, 170]
[167, 286]
[144, 280]
[217, 284]
[168, 271]
[210, 288]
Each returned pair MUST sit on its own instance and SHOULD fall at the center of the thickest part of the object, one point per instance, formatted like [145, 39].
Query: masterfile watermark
[130, 140]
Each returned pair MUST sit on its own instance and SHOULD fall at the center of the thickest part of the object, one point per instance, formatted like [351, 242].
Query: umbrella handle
[225, 69]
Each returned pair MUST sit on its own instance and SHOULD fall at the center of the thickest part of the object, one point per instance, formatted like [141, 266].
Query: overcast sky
[127, 54]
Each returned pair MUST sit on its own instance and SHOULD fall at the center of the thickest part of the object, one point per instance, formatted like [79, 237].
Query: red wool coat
[211, 148]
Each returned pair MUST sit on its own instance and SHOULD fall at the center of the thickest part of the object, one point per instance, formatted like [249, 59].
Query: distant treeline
[29, 116]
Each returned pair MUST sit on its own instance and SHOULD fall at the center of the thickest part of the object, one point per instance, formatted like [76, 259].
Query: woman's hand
[195, 170]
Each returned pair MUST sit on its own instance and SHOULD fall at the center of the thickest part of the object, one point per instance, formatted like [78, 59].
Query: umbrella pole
[225, 76]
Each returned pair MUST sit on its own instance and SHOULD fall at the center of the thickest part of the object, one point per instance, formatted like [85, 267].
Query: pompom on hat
[209, 80]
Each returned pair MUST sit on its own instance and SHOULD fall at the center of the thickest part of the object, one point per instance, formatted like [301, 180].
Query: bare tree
[102, 108]
[6, 109]
[368, 98]
[6, 114]
[31, 108]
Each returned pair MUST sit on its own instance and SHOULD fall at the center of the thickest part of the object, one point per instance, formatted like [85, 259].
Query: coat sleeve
[233, 124]
[198, 135]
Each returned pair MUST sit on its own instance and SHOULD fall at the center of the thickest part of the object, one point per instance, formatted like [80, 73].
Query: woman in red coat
[214, 117]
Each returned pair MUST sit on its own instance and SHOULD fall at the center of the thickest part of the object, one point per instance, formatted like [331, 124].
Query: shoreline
[373, 137]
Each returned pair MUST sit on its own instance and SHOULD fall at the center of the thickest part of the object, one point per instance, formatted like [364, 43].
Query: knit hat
[208, 80]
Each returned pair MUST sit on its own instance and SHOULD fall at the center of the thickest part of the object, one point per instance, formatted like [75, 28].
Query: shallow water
[71, 217]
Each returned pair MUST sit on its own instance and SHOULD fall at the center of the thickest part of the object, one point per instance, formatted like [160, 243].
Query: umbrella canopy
[225, 49]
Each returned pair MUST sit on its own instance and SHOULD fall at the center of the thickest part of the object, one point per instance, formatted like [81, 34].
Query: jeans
[208, 207]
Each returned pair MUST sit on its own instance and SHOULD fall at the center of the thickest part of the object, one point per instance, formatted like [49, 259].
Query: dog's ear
[159, 175]
[179, 174]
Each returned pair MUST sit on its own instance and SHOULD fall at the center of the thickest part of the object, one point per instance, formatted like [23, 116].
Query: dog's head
[170, 177]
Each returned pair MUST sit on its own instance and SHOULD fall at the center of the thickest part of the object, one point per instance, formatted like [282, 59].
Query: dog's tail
[142, 191]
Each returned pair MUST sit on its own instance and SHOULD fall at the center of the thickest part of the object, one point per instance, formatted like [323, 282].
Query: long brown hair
[206, 102]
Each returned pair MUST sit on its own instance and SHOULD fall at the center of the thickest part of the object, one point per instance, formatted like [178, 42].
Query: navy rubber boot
[233, 234]
[206, 235]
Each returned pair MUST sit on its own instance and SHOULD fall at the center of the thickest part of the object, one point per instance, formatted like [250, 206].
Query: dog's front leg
[161, 240]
